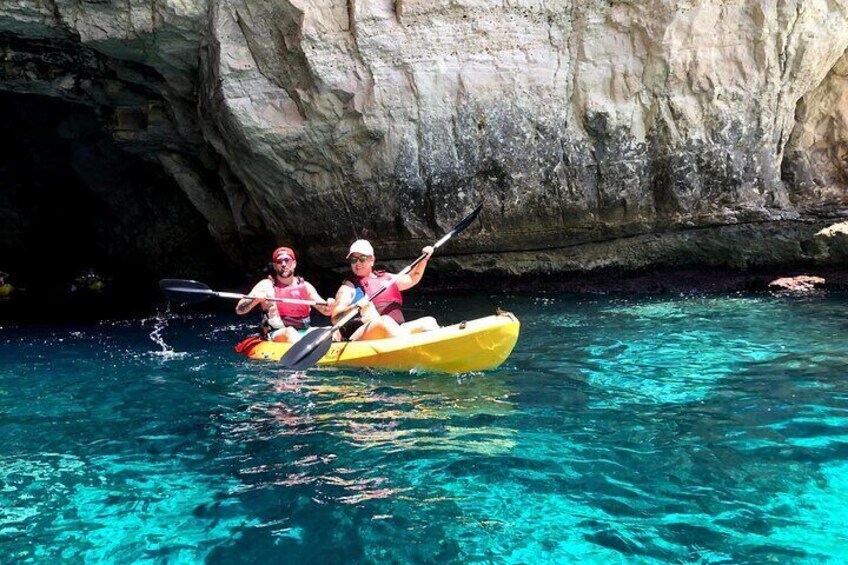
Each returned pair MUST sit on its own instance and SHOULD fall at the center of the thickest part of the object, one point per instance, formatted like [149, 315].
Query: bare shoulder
[264, 287]
[346, 288]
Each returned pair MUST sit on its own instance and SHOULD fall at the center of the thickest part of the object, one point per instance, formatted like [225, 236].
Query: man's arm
[245, 305]
[313, 295]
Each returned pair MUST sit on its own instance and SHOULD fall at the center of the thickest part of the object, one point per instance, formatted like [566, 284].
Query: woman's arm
[344, 296]
[414, 276]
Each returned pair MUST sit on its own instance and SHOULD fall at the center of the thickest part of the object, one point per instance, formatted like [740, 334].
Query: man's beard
[285, 272]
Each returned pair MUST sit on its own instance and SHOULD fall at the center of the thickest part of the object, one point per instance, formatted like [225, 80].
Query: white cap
[362, 247]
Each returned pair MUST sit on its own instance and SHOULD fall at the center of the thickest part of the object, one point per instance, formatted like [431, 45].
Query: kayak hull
[475, 345]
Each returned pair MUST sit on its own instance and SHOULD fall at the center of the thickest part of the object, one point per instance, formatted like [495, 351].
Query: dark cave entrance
[72, 201]
[48, 231]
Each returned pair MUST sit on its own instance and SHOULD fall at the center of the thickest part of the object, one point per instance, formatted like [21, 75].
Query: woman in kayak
[383, 318]
[281, 321]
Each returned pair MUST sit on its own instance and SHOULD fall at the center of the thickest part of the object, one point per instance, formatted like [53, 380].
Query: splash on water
[160, 322]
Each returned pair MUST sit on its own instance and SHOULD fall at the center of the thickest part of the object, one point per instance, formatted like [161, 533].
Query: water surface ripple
[662, 430]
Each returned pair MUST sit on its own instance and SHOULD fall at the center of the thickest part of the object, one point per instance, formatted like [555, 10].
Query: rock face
[833, 242]
[599, 134]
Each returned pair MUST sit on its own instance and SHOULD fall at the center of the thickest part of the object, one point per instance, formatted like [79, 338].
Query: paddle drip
[160, 322]
[156, 336]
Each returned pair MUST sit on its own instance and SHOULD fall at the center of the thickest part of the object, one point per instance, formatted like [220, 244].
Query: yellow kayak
[475, 345]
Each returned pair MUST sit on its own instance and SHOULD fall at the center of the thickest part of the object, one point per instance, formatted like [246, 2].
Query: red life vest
[294, 315]
[390, 300]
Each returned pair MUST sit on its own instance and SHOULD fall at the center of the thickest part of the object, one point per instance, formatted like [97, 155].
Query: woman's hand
[327, 309]
[368, 312]
[341, 302]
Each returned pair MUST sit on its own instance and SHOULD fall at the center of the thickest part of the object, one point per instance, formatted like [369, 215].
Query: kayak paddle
[316, 343]
[186, 291]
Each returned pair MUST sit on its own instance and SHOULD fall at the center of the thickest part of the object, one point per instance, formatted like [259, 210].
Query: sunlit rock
[599, 135]
[798, 284]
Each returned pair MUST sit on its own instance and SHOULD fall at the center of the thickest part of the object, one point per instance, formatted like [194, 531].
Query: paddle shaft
[309, 350]
[359, 304]
[249, 297]
[386, 286]
[319, 342]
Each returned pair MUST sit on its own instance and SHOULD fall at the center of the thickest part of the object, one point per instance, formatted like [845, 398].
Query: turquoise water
[663, 430]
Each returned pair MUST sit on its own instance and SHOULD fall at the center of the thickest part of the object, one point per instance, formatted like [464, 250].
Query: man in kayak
[384, 317]
[284, 322]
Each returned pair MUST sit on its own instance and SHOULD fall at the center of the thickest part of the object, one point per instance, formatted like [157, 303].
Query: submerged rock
[600, 135]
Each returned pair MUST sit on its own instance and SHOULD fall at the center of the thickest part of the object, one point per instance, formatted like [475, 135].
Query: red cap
[283, 251]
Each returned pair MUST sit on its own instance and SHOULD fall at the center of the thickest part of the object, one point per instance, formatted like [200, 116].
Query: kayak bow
[475, 345]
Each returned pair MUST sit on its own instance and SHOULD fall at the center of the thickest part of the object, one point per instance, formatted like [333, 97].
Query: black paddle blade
[467, 220]
[308, 350]
[180, 290]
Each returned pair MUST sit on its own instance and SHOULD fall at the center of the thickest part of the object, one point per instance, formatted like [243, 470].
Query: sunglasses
[284, 261]
[360, 259]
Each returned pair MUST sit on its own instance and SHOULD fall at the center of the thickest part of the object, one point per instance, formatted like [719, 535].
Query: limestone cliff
[599, 133]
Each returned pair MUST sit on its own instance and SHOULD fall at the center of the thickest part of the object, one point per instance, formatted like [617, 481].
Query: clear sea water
[686, 429]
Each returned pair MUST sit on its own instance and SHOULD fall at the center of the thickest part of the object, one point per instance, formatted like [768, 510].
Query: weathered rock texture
[600, 134]
[833, 242]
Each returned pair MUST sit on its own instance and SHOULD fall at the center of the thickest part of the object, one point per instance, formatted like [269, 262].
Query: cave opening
[84, 222]
[48, 228]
